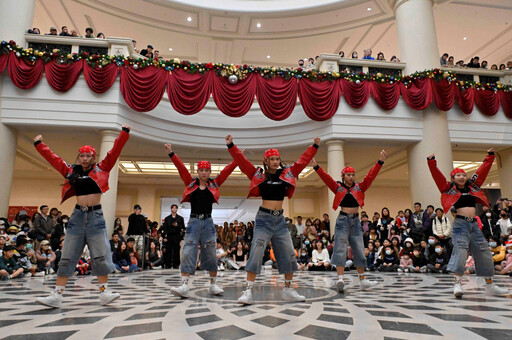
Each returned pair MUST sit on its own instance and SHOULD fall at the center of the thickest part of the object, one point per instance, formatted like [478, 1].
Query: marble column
[504, 161]
[109, 200]
[8, 142]
[417, 41]
[335, 163]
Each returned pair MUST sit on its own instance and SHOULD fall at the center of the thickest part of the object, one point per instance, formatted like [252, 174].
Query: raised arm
[224, 174]
[482, 172]
[185, 175]
[111, 158]
[374, 171]
[331, 183]
[441, 182]
[58, 163]
[243, 163]
[304, 159]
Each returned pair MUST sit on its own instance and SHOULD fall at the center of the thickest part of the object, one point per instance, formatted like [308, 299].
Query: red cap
[271, 152]
[457, 171]
[508, 244]
[204, 165]
[347, 169]
[87, 149]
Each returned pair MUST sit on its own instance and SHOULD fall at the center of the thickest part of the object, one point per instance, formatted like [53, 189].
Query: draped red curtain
[234, 100]
[276, 97]
[189, 93]
[24, 75]
[62, 77]
[98, 79]
[320, 100]
[3, 61]
[143, 89]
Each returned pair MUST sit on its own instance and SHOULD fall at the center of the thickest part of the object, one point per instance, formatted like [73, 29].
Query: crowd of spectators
[367, 55]
[89, 32]
[449, 61]
[415, 240]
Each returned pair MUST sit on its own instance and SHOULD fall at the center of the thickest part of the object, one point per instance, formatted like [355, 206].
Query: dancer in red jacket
[201, 192]
[87, 180]
[272, 182]
[463, 194]
[349, 196]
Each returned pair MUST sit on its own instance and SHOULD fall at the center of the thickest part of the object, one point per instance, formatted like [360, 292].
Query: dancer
[272, 183]
[87, 180]
[201, 192]
[463, 194]
[349, 196]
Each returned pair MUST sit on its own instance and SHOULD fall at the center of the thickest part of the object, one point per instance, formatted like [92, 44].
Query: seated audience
[9, 268]
[505, 267]
[405, 262]
[320, 259]
[388, 260]
[45, 258]
[438, 261]
[154, 258]
[419, 261]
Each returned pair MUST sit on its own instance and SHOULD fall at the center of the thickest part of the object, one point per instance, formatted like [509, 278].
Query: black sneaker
[4, 277]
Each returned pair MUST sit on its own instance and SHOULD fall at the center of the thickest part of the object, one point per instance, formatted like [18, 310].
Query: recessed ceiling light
[189, 19]
[465, 38]
[268, 57]
[258, 25]
[369, 9]
[170, 49]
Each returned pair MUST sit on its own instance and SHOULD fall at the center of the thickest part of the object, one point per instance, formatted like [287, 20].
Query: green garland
[240, 71]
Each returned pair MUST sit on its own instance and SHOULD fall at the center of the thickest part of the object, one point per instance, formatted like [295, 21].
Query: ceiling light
[170, 49]
[189, 19]
[258, 25]
[465, 38]
[369, 9]
[268, 57]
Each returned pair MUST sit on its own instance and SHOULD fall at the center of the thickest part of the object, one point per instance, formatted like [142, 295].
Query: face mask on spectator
[324, 241]
[509, 251]
[438, 250]
[306, 242]
[388, 252]
[488, 214]
[416, 253]
[431, 241]
[303, 254]
[492, 244]
[64, 221]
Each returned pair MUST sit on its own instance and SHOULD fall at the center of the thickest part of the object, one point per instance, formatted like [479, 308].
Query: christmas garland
[240, 72]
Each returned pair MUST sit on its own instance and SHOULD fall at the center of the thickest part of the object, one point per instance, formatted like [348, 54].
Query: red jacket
[449, 192]
[193, 183]
[257, 175]
[99, 173]
[357, 190]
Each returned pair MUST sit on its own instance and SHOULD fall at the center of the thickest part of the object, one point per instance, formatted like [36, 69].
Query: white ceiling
[290, 30]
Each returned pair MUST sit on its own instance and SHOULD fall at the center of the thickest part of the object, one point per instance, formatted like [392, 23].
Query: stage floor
[402, 306]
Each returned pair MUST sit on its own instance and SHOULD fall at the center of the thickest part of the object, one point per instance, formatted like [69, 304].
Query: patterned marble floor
[403, 306]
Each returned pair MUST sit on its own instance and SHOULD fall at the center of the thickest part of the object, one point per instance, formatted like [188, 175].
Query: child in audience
[134, 262]
[9, 268]
[303, 259]
[45, 258]
[419, 261]
[371, 257]
[389, 260]
[469, 268]
[506, 266]
[405, 262]
[438, 261]
[497, 250]
[82, 267]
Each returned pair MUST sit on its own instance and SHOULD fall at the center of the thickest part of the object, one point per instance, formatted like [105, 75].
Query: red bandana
[271, 152]
[87, 149]
[204, 165]
[457, 171]
[348, 169]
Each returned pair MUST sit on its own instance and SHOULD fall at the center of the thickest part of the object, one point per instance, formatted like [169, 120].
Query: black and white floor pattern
[403, 306]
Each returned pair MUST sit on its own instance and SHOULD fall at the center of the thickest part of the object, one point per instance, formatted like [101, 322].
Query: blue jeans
[348, 231]
[199, 232]
[86, 228]
[272, 228]
[133, 268]
[467, 236]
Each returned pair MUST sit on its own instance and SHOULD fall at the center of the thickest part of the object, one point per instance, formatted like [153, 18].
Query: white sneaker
[400, 270]
[366, 284]
[493, 289]
[406, 270]
[291, 295]
[181, 291]
[107, 297]
[246, 297]
[340, 285]
[53, 300]
[215, 289]
[51, 271]
[221, 267]
[117, 271]
[39, 274]
[28, 274]
[457, 290]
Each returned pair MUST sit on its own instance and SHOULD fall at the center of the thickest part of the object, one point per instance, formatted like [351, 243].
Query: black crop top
[466, 200]
[201, 201]
[85, 185]
[349, 201]
[273, 188]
